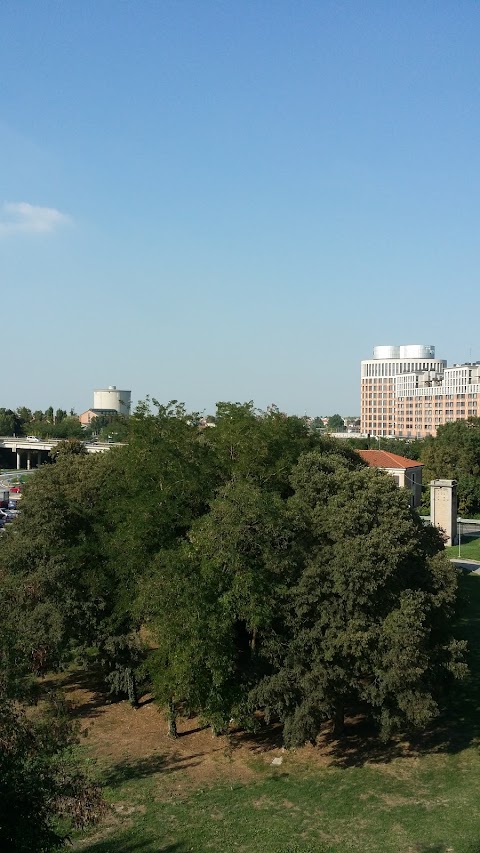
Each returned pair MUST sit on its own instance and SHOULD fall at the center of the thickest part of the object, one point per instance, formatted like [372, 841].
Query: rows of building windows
[414, 398]
[376, 368]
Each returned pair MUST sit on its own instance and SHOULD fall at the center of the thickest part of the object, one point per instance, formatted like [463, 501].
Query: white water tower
[112, 398]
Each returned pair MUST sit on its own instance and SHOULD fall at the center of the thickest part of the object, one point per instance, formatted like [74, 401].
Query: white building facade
[112, 399]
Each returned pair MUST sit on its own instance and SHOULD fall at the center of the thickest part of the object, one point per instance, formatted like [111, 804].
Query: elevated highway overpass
[33, 451]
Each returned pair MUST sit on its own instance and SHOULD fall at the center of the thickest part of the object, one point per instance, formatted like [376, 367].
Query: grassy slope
[469, 549]
[423, 803]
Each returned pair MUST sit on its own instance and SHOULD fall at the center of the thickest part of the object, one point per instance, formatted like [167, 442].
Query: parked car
[9, 514]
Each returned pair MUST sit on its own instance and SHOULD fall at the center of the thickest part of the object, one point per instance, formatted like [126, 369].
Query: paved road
[9, 477]
[467, 565]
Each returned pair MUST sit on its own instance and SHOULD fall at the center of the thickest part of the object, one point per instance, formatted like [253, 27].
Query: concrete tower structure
[112, 399]
[107, 401]
[443, 508]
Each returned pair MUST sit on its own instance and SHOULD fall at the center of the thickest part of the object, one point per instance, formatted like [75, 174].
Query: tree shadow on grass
[265, 739]
[88, 680]
[442, 847]
[194, 731]
[125, 771]
[431, 848]
[124, 844]
[146, 699]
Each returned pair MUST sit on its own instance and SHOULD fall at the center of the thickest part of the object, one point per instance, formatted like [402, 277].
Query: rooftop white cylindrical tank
[386, 352]
[112, 398]
[417, 351]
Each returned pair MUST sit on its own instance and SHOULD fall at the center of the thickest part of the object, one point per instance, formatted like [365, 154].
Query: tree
[157, 485]
[74, 561]
[258, 446]
[24, 414]
[110, 427]
[454, 453]
[367, 625]
[39, 781]
[10, 423]
[52, 570]
[69, 427]
[410, 449]
[308, 593]
[336, 423]
[68, 447]
[317, 424]
[271, 567]
[208, 602]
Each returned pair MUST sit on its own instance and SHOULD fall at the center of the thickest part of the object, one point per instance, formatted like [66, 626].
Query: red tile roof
[383, 459]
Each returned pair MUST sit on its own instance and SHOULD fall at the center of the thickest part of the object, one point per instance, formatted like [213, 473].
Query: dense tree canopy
[263, 564]
[455, 454]
[10, 422]
[64, 426]
[110, 427]
[47, 424]
[336, 423]
[51, 560]
[367, 615]
[40, 782]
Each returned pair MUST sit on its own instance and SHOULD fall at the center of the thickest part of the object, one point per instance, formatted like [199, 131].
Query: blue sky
[234, 200]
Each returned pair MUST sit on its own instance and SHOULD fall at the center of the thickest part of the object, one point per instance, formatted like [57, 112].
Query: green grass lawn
[408, 805]
[425, 801]
[469, 549]
[429, 805]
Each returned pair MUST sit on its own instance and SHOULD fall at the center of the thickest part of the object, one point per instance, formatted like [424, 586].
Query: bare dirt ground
[133, 742]
[120, 737]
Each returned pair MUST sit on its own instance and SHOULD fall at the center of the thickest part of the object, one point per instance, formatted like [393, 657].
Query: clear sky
[234, 199]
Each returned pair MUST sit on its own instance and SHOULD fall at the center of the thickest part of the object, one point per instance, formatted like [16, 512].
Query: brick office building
[407, 393]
